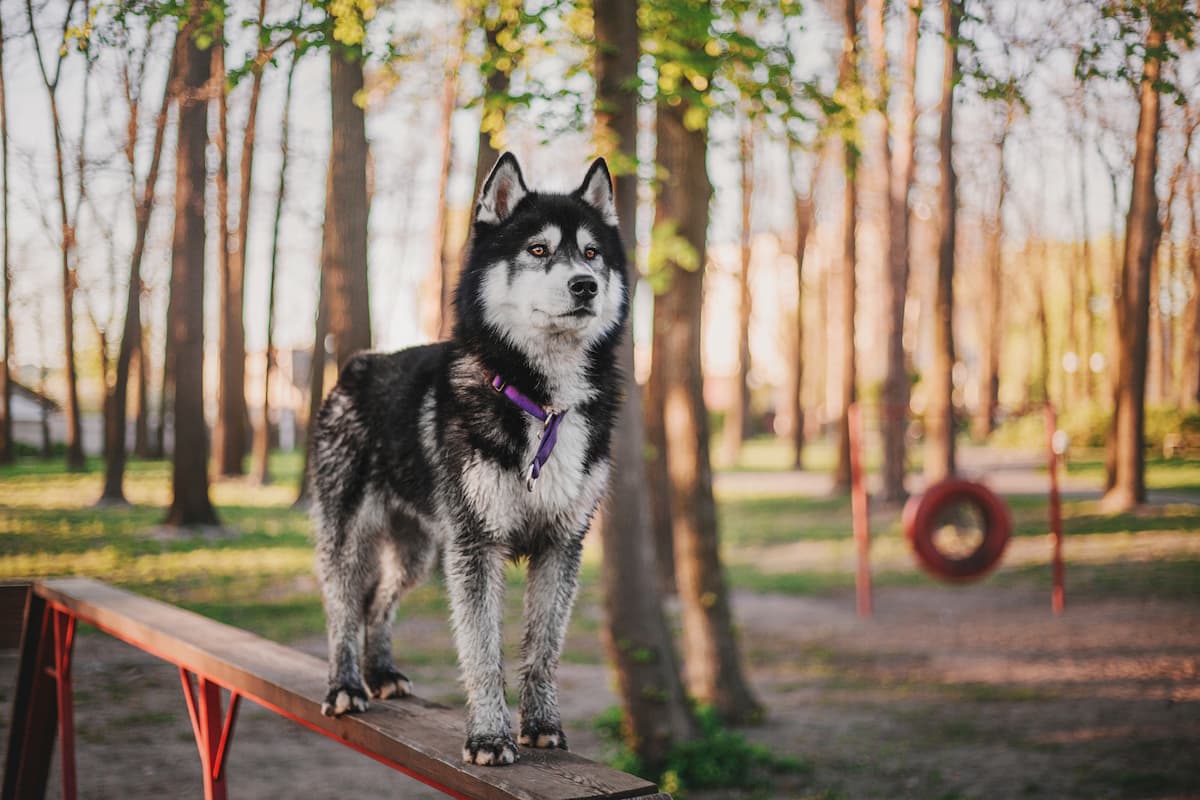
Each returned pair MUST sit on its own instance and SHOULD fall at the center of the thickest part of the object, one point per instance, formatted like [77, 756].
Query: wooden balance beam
[412, 735]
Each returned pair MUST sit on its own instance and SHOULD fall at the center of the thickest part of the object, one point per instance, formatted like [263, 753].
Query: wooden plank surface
[418, 735]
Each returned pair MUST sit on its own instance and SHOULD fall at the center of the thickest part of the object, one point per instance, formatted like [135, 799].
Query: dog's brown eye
[590, 253]
[538, 250]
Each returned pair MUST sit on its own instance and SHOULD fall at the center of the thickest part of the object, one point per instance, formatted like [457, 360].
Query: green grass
[1175, 474]
[774, 454]
[259, 574]
[256, 574]
[772, 519]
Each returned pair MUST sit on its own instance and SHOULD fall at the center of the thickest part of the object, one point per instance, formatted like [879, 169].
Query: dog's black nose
[583, 287]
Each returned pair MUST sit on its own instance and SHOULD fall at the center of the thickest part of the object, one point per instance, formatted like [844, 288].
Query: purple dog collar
[550, 421]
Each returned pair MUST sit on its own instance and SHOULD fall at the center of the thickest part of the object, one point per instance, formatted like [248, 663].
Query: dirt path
[980, 692]
[965, 692]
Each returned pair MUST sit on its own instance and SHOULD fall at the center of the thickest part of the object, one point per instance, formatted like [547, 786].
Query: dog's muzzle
[583, 288]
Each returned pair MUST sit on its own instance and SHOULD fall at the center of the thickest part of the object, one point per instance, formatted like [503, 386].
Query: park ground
[973, 691]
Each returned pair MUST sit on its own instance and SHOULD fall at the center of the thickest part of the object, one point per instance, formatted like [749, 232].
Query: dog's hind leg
[549, 595]
[344, 613]
[405, 563]
[381, 677]
[475, 579]
[349, 577]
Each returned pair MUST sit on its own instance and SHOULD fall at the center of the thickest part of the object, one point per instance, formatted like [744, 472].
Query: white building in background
[30, 411]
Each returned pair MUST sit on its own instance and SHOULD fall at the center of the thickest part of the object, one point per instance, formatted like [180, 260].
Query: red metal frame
[213, 730]
[204, 710]
[64, 638]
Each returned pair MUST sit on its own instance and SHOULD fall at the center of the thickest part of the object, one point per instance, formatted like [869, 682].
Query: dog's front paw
[542, 735]
[490, 750]
[344, 699]
[388, 682]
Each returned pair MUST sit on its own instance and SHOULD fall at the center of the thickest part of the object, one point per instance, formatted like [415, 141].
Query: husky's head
[546, 274]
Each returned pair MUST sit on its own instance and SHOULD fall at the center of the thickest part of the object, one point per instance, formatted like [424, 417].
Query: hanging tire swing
[958, 529]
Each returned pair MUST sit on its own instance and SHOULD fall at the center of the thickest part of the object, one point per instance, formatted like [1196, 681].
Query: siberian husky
[489, 448]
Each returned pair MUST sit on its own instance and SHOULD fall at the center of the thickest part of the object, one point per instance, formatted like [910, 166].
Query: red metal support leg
[26, 770]
[226, 736]
[213, 731]
[64, 638]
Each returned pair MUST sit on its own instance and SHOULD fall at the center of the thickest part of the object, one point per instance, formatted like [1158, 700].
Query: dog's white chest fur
[564, 491]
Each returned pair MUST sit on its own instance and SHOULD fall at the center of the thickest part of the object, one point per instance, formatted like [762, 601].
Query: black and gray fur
[414, 452]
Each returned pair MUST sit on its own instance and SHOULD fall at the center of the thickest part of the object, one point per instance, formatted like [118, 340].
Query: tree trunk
[316, 371]
[7, 447]
[495, 88]
[346, 215]
[1163, 274]
[236, 436]
[991, 325]
[1042, 379]
[1118, 322]
[47, 448]
[141, 420]
[190, 504]
[131, 332]
[262, 436]
[714, 672]
[1154, 338]
[1190, 390]
[847, 80]
[229, 438]
[821, 364]
[1141, 240]
[804, 220]
[1070, 392]
[166, 389]
[894, 413]
[75, 458]
[939, 414]
[1089, 270]
[656, 714]
[443, 261]
[1167, 336]
[737, 421]
[658, 482]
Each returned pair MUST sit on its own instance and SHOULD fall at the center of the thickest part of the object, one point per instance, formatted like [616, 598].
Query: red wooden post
[858, 508]
[64, 638]
[1057, 596]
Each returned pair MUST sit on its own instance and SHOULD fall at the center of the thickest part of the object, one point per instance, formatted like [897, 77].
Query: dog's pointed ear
[597, 191]
[502, 191]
